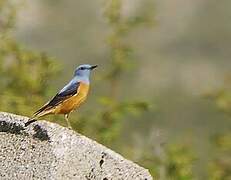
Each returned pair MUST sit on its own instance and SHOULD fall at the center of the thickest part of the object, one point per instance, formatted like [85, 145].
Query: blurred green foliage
[172, 161]
[179, 162]
[220, 166]
[25, 74]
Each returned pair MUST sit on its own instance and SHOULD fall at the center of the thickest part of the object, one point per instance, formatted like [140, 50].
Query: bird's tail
[30, 121]
[35, 117]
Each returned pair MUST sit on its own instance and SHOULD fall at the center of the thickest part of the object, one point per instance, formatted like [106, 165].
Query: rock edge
[46, 150]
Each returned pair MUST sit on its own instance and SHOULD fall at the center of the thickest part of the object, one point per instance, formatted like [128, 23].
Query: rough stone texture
[48, 151]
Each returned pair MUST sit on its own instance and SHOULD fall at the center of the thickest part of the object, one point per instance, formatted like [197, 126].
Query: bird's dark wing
[68, 91]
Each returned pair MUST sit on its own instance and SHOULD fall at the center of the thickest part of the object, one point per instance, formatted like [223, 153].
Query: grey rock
[46, 150]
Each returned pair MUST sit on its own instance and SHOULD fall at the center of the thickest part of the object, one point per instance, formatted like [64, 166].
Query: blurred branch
[121, 56]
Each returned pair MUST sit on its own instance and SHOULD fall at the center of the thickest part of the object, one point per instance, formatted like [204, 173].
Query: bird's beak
[93, 67]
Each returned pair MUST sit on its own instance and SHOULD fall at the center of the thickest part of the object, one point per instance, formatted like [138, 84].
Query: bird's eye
[82, 68]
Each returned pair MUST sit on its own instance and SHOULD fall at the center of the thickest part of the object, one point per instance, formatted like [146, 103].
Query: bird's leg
[68, 123]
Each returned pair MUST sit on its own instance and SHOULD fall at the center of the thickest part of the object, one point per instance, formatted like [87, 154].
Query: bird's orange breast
[74, 101]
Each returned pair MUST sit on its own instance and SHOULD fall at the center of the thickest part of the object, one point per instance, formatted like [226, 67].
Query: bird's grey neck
[83, 79]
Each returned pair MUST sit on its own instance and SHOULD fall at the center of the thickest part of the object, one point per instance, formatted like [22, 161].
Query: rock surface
[46, 150]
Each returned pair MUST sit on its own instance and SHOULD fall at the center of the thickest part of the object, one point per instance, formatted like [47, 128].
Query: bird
[69, 98]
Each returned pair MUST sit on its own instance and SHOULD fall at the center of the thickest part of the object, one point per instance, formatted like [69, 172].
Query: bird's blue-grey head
[83, 72]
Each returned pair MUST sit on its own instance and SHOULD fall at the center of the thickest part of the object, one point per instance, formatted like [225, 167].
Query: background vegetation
[161, 95]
